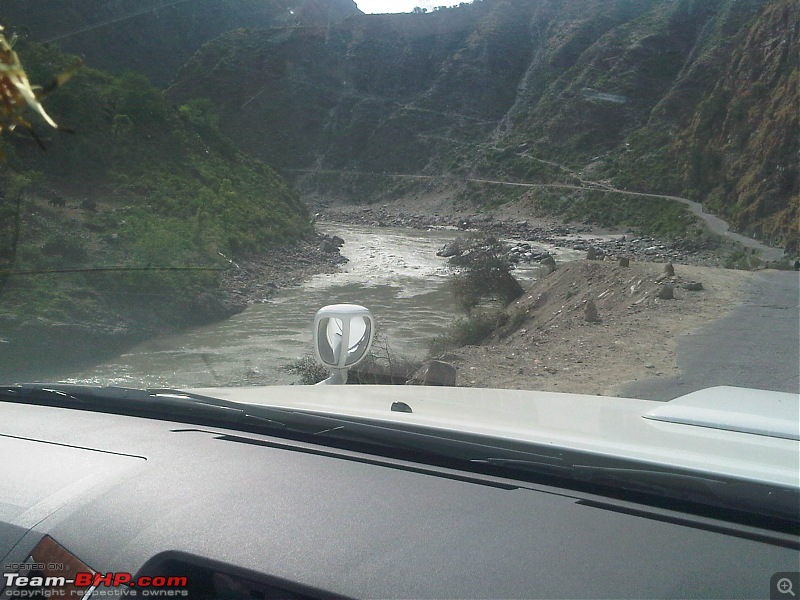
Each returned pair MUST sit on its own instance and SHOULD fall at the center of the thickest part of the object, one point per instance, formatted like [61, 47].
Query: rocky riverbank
[259, 276]
[525, 235]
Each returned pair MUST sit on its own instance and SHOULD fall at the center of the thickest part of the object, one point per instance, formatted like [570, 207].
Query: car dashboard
[207, 511]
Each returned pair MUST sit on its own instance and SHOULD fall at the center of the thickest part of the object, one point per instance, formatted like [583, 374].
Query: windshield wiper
[170, 404]
[702, 488]
[159, 403]
[632, 478]
[551, 466]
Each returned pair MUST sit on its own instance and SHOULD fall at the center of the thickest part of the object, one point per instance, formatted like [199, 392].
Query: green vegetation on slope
[652, 216]
[687, 97]
[154, 189]
[726, 133]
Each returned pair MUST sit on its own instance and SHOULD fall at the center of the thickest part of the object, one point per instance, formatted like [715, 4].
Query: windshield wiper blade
[296, 421]
[765, 498]
[171, 404]
[545, 465]
[167, 403]
[130, 401]
[703, 488]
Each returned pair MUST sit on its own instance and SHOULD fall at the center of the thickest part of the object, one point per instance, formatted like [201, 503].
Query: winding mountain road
[714, 223]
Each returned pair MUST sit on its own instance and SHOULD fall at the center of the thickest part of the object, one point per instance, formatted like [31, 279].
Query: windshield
[564, 196]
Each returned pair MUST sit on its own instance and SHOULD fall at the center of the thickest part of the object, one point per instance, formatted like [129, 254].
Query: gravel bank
[613, 243]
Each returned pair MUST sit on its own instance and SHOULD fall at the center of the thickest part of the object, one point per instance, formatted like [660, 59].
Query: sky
[395, 6]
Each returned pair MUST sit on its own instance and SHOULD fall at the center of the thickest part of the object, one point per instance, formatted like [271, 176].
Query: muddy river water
[393, 272]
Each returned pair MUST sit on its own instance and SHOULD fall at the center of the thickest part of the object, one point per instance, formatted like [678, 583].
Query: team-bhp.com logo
[90, 584]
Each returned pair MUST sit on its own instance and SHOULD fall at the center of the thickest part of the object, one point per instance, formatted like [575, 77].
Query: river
[394, 272]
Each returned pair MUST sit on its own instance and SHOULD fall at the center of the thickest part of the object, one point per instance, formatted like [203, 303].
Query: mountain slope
[743, 146]
[155, 37]
[122, 230]
[670, 96]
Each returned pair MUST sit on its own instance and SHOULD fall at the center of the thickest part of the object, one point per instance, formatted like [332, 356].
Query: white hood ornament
[342, 338]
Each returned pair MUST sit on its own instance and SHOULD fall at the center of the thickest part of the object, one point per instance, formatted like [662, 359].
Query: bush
[308, 369]
[381, 366]
[483, 273]
[743, 260]
[71, 249]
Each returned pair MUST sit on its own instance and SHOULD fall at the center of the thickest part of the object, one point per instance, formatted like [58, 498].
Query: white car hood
[702, 432]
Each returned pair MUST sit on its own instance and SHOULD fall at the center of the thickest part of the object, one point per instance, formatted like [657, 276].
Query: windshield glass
[570, 196]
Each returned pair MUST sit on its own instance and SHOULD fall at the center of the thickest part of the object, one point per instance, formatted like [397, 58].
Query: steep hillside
[689, 97]
[124, 228]
[155, 37]
[740, 151]
[354, 95]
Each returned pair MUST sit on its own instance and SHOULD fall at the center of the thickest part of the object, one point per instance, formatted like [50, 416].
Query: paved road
[757, 345]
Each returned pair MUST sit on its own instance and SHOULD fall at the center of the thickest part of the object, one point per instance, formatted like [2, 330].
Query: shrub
[384, 366]
[743, 260]
[381, 366]
[308, 369]
[71, 249]
[483, 273]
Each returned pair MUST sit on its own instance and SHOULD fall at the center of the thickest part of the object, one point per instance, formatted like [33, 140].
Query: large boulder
[437, 372]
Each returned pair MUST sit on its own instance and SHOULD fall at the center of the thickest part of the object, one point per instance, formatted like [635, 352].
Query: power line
[112, 21]
[105, 270]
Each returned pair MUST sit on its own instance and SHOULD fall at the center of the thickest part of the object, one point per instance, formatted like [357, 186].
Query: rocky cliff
[689, 97]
